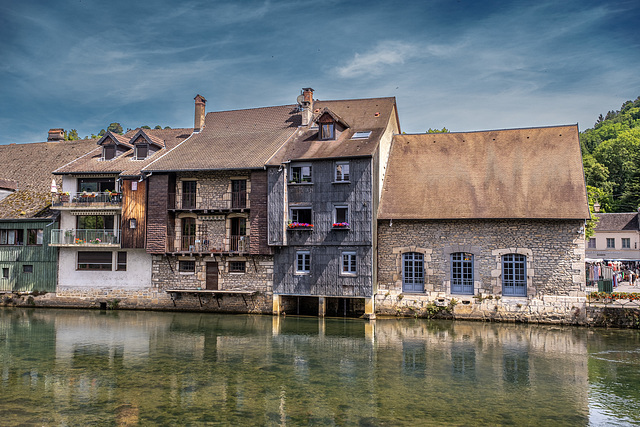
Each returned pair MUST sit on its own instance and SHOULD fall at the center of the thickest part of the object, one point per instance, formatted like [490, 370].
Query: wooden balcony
[202, 243]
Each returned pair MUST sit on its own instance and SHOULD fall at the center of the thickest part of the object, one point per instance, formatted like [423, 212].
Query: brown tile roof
[515, 173]
[361, 114]
[627, 221]
[30, 165]
[124, 163]
[238, 139]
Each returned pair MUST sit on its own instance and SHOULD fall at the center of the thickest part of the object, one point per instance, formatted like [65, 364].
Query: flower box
[300, 226]
[340, 225]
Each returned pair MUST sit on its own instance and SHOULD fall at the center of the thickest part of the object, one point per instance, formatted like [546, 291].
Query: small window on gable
[327, 131]
[342, 172]
[361, 135]
[108, 152]
[141, 151]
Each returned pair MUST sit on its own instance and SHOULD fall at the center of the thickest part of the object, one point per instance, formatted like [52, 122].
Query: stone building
[324, 189]
[485, 225]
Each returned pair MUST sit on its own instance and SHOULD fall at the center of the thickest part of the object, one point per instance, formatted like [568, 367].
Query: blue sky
[466, 65]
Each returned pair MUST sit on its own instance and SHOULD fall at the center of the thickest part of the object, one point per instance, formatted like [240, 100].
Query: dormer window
[327, 131]
[141, 152]
[108, 152]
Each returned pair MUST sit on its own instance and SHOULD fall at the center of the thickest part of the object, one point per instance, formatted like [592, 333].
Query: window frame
[341, 178]
[327, 131]
[591, 243]
[234, 266]
[18, 237]
[136, 154]
[5, 272]
[351, 258]
[94, 264]
[336, 222]
[514, 275]
[626, 243]
[413, 263]
[611, 242]
[303, 262]
[27, 268]
[109, 152]
[298, 176]
[294, 214]
[121, 261]
[462, 274]
[186, 266]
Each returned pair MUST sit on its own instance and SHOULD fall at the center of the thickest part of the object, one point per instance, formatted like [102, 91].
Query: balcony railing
[102, 200]
[78, 237]
[201, 242]
[229, 201]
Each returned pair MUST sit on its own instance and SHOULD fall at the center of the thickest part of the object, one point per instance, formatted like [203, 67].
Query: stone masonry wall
[555, 269]
[213, 188]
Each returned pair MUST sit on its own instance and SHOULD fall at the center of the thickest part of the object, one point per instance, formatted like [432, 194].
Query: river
[81, 367]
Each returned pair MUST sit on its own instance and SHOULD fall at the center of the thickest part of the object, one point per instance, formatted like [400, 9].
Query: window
[514, 275]
[34, 237]
[361, 135]
[303, 262]
[188, 234]
[94, 261]
[108, 152]
[591, 243]
[122, 262]
[327, 131]
[342, 172]
[27, 268]
[301, 216]
[141, 151]
[187, 266]
[238, 193]
[237, 266]
[341, 216]
[412, 272]
[348, 264]
[189, 194]
[11, 237]
[300, 173]
[95, 222]
[238, 234]
[611, 243]
[626, 243]
[96, 185]
[5, 273]
[462, 273]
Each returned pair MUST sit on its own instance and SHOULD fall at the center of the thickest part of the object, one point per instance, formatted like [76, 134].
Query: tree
[158, 127]
[115, 128]
[145, 127]
[443, 130]
[72, 135]
[101, 133]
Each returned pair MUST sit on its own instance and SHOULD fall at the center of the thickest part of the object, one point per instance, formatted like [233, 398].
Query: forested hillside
[611, 158]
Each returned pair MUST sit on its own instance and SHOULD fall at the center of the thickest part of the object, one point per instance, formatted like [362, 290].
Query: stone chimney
[198, 122]
[55, 135]
[307, 105]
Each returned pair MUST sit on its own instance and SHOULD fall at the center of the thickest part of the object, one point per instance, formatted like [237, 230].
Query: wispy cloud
[377, 61]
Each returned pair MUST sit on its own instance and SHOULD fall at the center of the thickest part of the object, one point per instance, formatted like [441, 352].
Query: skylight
[361, 135]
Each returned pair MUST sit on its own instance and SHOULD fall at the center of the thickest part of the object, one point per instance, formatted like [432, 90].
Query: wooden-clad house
[103, 213]
[493, 221]
[324, 186]
[27, 261]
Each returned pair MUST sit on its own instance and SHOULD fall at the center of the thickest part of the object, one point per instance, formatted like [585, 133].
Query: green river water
[80, 368]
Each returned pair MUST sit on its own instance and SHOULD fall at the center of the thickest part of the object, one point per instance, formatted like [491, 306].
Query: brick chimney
[307, 105]
[198, 122]
[55, 135]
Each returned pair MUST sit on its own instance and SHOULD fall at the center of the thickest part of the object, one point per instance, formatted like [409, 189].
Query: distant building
[616, 237]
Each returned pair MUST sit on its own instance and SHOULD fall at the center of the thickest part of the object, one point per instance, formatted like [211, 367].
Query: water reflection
[86, 367]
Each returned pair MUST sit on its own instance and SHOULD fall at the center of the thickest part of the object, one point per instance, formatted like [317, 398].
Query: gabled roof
[363, 115]
[116, 138]
[124, 165]
[334, 116]
[237, 139]
[151, 139]
[513, 173]
[30, 166]
[626, 221]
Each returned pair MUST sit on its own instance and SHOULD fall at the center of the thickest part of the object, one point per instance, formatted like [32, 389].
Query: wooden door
[212, 276]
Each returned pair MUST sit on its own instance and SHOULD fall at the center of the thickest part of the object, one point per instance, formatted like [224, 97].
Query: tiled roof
[124, 163]
[238, 139]
[515, 173]
[362, 115]
[626, 221]
[30, 165]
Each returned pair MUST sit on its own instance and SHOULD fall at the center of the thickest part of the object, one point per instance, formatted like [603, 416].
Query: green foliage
[115, 128]
[443, 130]
[145, 127]
[611, 159]
[101, 133]
[158, 127]
[72, 135]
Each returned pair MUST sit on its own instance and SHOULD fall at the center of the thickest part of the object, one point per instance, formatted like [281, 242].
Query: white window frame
[342, 174]
[302, 179]
[351, 263]
[303, 262]
[335, 214]
[300, 208]
[135, 154]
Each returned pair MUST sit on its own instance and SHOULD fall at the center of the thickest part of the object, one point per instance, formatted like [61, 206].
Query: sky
[463, 65]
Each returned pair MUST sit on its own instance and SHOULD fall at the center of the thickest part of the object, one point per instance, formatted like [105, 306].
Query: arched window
[412, 272]
[514, 275]
[462, 273]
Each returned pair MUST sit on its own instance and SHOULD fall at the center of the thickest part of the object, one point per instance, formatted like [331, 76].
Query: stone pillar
[322, 306]
[369, 308]
[276, 304]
